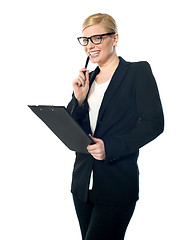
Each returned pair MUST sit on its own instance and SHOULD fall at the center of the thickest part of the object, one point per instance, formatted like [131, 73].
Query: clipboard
[63, 126]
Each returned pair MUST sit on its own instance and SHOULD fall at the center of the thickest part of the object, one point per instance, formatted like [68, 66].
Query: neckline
[101, 84]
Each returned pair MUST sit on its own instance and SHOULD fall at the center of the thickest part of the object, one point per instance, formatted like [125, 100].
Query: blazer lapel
[114, 84]
[92, 76]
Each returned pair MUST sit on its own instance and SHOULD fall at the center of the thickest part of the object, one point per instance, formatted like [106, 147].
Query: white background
[39, 59]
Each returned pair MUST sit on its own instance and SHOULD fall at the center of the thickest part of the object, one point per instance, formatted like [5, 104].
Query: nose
[89, 47]
[90, 44]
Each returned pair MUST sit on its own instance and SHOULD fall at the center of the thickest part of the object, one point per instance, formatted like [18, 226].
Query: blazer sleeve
[150, 117]
[77, 112]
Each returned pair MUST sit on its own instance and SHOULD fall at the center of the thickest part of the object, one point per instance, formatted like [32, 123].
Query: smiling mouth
[94, 53]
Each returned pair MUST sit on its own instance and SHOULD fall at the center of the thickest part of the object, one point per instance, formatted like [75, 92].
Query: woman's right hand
[81, 85]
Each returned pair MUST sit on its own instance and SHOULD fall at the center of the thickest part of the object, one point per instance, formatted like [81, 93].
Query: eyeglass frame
[90, 38]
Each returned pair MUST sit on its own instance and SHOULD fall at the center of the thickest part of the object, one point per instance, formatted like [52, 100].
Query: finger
[92, 148]
[82, 70]
[81, 77]
[94, 139]
[80, 80]
[96, 151]
[87, 76]
[77, 82]
[98, 156]
[82, 73]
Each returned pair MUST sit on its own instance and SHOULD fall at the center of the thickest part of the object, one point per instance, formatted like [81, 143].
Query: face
[103, 52]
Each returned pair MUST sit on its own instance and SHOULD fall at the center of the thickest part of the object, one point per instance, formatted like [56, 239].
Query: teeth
[92, 53]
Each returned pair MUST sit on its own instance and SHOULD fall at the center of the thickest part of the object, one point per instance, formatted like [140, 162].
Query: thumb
[87, 76]
[94, 139]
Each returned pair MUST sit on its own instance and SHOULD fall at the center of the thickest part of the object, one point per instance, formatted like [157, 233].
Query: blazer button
[112, 160]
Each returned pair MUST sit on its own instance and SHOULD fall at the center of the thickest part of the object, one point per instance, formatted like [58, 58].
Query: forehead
[93, 30]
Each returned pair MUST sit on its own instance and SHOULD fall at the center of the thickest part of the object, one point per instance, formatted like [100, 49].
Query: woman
[118, 104]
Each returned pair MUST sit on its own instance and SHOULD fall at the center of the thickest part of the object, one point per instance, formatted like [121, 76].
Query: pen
[86, 64]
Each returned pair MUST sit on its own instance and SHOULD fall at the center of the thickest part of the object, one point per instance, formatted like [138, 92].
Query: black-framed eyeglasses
[95, 39]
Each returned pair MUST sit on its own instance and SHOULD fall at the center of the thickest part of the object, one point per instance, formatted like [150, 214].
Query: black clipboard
[63, 126]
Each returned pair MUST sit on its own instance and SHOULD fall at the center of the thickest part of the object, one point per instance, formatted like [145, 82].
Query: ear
[116, 39]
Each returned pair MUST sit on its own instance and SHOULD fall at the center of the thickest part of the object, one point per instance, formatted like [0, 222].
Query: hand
[97, 150]
[81, 85]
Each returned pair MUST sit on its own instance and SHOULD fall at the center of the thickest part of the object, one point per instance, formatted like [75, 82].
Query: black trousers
[102, 222]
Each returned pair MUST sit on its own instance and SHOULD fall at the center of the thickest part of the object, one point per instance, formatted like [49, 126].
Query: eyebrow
[100, 34]
[95, 35]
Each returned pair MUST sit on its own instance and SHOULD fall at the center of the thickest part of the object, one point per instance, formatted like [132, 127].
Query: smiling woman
[97, 28]
[118, 105]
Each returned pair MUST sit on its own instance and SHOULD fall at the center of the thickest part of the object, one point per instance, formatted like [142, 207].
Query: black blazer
[130, 116]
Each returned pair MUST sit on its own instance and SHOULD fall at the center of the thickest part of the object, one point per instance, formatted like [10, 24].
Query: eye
[96, 38]
[84, 40]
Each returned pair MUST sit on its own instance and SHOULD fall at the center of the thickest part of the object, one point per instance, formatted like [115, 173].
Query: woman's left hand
[97, 150]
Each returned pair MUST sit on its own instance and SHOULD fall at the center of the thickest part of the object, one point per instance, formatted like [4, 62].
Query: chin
[94, 60]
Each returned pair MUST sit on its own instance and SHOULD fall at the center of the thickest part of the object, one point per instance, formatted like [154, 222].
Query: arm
[150, 122]
[77, 112]
[78, 107]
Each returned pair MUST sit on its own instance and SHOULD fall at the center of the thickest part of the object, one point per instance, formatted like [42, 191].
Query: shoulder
[140, 73]
[139, 66]
[138, 63]
[141, 69]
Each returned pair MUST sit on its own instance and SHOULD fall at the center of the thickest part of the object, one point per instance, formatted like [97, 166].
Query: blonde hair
[106, 20]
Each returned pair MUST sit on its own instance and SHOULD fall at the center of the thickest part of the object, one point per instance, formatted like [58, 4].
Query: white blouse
[95, 98]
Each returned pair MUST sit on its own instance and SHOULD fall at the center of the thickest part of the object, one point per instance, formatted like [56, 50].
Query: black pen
[86, 64]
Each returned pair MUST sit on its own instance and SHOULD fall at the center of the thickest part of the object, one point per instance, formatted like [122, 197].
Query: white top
[95, 98]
